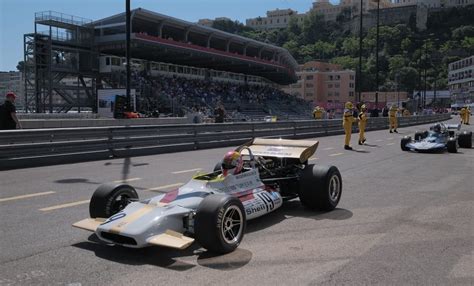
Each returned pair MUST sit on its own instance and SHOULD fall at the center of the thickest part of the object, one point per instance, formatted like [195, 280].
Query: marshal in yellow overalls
[467, 115]
[347, 121]
[462, 114]
[362, 124]
[392, 118]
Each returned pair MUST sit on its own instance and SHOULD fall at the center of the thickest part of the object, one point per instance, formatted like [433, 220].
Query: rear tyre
[452, 145]
[109, 199]
[420, 135]
[219, 224]
[404, 142]
[320, 187]
[465, 139]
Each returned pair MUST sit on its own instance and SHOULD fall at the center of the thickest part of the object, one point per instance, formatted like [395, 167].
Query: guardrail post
[196, 144]
[294, 129]
[110, 143]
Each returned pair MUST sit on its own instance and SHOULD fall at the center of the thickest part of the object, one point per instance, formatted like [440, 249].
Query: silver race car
[440, 137]
[212, 208]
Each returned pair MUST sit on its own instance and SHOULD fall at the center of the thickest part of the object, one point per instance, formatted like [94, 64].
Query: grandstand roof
[163, 38]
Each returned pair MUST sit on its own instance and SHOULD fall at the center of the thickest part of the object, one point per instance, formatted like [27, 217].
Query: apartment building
[324, 84]
[276, 19]
[434, 3]
[12, 81]
[461, 80]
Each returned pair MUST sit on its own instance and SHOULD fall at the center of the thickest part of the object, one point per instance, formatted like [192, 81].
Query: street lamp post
[377, 56]
[360, 54]
[127, 54]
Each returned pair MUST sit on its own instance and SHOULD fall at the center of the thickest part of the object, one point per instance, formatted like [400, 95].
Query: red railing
[208, 50]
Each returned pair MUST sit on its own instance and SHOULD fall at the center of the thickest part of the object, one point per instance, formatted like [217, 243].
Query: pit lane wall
[39, 147]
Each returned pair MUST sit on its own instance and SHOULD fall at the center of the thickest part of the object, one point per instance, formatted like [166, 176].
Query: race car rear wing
[281, 148]
[453, 126]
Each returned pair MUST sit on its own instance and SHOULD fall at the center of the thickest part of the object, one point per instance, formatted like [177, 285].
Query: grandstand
[178, 66]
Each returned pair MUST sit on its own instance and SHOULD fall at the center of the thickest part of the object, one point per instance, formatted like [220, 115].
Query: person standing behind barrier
[8, 119]
[362, 124]
[347, 121]
[219, 114]
[462, 114]
[317, 113]
[392, 118]
[406, 113]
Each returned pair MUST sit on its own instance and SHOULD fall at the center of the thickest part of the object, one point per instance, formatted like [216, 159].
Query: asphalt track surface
[404, 219]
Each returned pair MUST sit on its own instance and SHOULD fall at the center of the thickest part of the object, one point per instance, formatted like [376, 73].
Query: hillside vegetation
[404, 52]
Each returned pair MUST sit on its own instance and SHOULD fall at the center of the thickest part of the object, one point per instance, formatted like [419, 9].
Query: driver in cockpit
[232, 163]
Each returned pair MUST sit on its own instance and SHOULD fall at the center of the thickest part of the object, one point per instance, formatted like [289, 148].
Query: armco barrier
[27, 148]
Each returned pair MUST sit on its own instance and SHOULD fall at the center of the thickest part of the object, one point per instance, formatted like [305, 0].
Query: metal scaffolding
[61, 64]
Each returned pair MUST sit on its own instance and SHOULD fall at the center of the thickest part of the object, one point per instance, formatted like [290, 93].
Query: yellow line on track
[64, 205]
[336, 154]
[160, 188]
[26, 196]
[127, 180]
[329, 148]
[312, 159]
[187, 171]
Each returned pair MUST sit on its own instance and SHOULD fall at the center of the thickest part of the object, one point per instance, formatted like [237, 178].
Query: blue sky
[17, 16]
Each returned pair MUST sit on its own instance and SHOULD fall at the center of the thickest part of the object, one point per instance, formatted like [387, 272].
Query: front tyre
[320, 187]
[404, 142]
[109, 199]
[219, 224]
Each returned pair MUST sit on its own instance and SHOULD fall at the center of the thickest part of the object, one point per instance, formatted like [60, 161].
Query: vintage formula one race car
[440, 137]
[212, 208]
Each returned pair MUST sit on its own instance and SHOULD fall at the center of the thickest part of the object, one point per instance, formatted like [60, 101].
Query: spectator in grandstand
[8, 119]
[219, 113]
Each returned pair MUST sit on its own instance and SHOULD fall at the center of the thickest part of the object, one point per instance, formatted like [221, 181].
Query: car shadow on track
[166, 257]
[76, 181]
[292, 209]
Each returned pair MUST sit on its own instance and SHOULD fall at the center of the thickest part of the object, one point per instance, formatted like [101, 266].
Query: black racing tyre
[420, 135]
[109, 199]
[404, 142]
[452, 145]
[320, 187]
[219, 224]
[465, 139]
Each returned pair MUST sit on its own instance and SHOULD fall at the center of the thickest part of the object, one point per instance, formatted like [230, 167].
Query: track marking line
[160, 188]
[390, 144]
[186, 171]
[329, 148]
[64, 205]
[26, 196]
[312, 159]
[378, 140]
[127, 180]
[335, 154]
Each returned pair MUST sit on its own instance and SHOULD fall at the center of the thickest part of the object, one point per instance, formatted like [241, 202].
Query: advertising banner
[112, 101]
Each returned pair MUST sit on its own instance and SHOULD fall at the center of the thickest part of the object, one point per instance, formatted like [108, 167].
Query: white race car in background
[211, 208]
